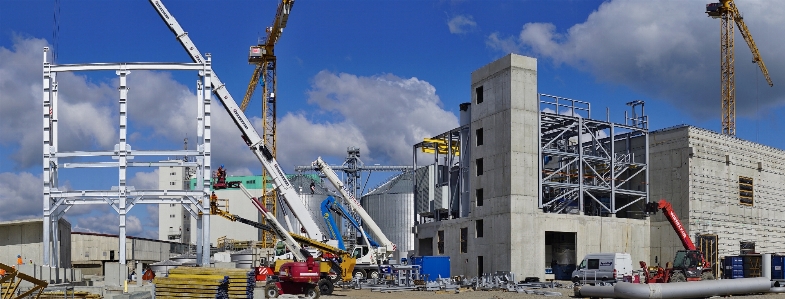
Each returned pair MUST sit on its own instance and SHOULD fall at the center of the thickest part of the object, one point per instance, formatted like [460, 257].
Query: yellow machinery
[263, 55]
[343, 268]
[728, 14]
[10, 283]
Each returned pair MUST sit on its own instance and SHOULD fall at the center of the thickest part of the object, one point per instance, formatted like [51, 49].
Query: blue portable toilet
[432, 267]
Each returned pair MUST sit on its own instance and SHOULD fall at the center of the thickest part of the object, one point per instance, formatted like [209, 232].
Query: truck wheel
[707, 276]
[271, 291]
[326, 286]
[359, 274]
[373, 274]
[312, 292]
[677, 277]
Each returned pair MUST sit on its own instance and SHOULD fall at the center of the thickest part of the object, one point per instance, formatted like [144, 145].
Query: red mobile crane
[689, 264]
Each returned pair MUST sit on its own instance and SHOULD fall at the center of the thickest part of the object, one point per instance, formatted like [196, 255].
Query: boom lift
[329, 207]
[367, 262]
[689, 264]
[344, 265]
[250, 136]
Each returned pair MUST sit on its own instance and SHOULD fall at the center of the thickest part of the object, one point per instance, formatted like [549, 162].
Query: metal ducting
[676, 290]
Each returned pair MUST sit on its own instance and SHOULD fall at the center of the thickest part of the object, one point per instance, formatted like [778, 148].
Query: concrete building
[719, 186]
[514, 222]
[173, 217]
[25, 237]
[174, 221]
[90, 252]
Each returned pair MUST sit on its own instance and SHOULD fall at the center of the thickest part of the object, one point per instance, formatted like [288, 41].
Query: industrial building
[175, 220]
[25, 238]
[90, 252]
[722, 187]
[537, 187]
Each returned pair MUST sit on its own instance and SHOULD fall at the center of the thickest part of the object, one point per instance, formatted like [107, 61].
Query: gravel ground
[566, 293]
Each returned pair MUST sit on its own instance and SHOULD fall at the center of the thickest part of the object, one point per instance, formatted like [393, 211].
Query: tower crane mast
[263, 56]
[726, 11]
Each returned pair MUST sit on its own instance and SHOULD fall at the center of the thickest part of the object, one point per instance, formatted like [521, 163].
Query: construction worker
[19, 260]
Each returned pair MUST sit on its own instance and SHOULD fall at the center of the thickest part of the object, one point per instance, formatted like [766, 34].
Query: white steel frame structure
[577, 163]
[122, 198]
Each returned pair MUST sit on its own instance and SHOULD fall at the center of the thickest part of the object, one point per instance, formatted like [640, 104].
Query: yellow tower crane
[263, 56]
[726, 11]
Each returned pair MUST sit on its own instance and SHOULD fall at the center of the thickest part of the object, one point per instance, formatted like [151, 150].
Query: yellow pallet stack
[200, 282]
[71, 294]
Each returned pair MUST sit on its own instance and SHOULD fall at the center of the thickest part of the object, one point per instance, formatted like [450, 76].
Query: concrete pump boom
[387, 248]
[249, 134]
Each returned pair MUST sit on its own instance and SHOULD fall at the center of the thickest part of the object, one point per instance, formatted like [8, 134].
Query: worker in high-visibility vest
[19, 260]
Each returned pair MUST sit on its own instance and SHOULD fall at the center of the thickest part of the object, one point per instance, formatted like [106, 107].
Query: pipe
[766, 266]
[693, 289]
[594, 291]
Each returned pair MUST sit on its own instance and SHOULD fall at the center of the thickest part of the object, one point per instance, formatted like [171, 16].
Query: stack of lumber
[200, 282]
[71, 294]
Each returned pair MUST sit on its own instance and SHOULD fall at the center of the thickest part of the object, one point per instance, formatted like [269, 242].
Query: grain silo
[391, 206]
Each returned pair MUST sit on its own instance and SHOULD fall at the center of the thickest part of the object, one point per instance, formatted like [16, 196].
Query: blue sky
[380, 75]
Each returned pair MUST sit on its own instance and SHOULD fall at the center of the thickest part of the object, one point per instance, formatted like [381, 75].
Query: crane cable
[55, 31]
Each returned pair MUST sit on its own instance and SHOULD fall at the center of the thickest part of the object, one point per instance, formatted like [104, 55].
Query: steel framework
[588, 166]
[122, 198]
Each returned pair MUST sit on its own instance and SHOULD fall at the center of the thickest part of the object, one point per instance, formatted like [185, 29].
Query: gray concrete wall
[25, 237]
[89, 248]
[701, 179]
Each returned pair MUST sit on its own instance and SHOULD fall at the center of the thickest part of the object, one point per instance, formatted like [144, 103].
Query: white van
[603, 268]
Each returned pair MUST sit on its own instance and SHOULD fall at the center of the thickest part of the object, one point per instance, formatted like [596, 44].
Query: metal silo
[311, 198]
[391, 206]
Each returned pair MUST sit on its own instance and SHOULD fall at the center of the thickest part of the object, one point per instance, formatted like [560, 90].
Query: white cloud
[145, 180]
[84, 122]
[382, 115]
[666, 49]
[21, 196]
[109, 224]
[461, 24]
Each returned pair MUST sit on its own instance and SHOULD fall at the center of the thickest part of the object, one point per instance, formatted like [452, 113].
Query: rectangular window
[478, 227]
[440, 242]
[173, 173]
[745, 191]
[478, 196]
[478, 94]
[171, 183]
[478, 136]
[464, 240]
[478, 163]
[479, 265]
[593, 264]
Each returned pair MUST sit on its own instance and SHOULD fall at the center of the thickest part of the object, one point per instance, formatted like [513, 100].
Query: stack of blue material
[223, 289]
[251, 284]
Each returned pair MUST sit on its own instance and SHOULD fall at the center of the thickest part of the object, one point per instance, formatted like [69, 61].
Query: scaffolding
[592, 167]
[122, 198]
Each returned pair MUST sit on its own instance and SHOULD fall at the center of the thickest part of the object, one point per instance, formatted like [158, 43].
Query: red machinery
[295, 278]
[689, 264]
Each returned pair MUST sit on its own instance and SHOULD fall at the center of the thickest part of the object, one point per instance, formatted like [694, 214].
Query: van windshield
[582, 265]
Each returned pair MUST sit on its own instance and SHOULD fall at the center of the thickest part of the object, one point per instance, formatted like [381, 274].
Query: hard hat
[19, 255]
[222, 166]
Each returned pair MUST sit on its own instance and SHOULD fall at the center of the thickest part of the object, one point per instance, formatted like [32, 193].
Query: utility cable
[55, 30]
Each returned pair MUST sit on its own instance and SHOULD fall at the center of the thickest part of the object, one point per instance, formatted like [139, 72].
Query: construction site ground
[566, 293]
